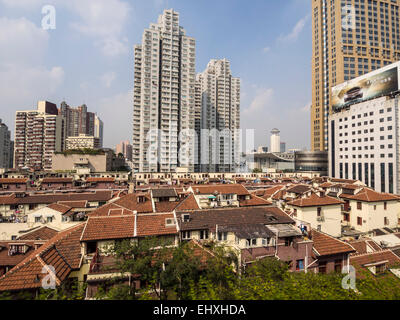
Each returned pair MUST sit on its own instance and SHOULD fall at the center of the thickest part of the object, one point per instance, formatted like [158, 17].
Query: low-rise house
[379, 263]
[324, 213]
[100, 183]
[24, 203]
[254, 233]
[214, 196]
[368, 210]
[56, 183]
[332, 255]
[14, 184]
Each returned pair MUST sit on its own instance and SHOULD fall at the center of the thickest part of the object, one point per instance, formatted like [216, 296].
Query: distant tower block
[275, 141]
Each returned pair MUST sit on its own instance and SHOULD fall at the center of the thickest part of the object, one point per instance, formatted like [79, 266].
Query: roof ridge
[323, 233]
[374, 252]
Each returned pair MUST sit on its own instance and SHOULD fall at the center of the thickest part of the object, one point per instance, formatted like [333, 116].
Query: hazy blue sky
[88, 58]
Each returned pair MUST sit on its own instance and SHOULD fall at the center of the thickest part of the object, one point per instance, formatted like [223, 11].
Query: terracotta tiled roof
[208, 219]
[110, 209]
[13, 260]
[368, 195]
[315, 200]
[43, 233]
[221, 189]
[299, 189]
[63, 252]
[279, 195]
[154, 224]
[57, 180]
[100, 180]
[254, 201]
[189, 203]
[13, 180]
[130, 202]
[271, 191]
[343, 180]
[109, 227]
[74, 204]
[375, 257]
[63, 209]
[56, 197]
[166, 206]
[326, 185]
[363, 245]
[325, 245]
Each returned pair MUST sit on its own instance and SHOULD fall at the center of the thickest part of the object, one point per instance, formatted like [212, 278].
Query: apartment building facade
[38, 134]
[82, 141]
[6, 147]
[79, 121]
[350, 38]
[218, 94]
[126, 149]
[164, 97]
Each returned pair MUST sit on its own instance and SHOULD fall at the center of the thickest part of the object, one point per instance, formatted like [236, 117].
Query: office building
[349, 38]
[311, 161]
[38, 134]
[6, 147]
[364, 135]
[283, 147]
[164, 97]
[219, 117]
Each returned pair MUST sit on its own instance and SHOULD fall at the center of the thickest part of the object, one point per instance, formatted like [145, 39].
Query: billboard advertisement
[366, 87]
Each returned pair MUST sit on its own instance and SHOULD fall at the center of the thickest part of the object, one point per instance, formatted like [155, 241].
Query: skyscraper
[125, 148]
[6, 146]
[38, 134]
[218, 93]
[275, 141]
[350, 38]
[164, 97]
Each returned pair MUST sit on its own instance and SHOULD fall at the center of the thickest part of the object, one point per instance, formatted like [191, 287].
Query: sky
[88, 58]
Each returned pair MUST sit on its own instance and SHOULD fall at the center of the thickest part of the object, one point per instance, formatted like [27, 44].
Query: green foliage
[257, 170]
[82, 151]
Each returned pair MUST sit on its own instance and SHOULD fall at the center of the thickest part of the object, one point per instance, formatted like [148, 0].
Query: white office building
[164, 97]
[219, 113]
[364, 132]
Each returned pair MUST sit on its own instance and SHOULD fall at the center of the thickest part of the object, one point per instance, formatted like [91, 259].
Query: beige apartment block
[349, 38]
[83, 141]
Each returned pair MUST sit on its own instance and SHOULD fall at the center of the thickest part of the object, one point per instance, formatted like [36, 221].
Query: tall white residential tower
[164, 97]
[219, 112]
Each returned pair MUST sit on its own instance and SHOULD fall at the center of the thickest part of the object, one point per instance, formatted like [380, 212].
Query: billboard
[369, 86]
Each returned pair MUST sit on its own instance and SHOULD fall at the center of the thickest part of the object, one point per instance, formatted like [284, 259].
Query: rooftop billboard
[374, 84]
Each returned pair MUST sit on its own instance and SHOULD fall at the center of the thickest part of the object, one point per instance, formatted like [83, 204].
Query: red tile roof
[154, 224]
[315, 200]
[221, 189]
[100, 180]
[254, 201]
[109, 227]
[63, 252]
[13, 180]
[13, 260]
[43, 233]
[74, 204]
[363, 245]
[63, 209]
[189, 203]
[325, 245]
[375, 257]
[57, 180]
[368, 195]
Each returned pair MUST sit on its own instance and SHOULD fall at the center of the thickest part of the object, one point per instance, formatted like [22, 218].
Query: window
[359, 206]
[319, 212]
[299, 265]
[50, 219]
[322, 267]
[380, 268]
[386, 221]
[38, 219]
[186, 235]
[91, 247]
[288, 242]
[222, 236]
[203, 234]
[338, 266]
[359, 221]
[385, 205]
[251, 242]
